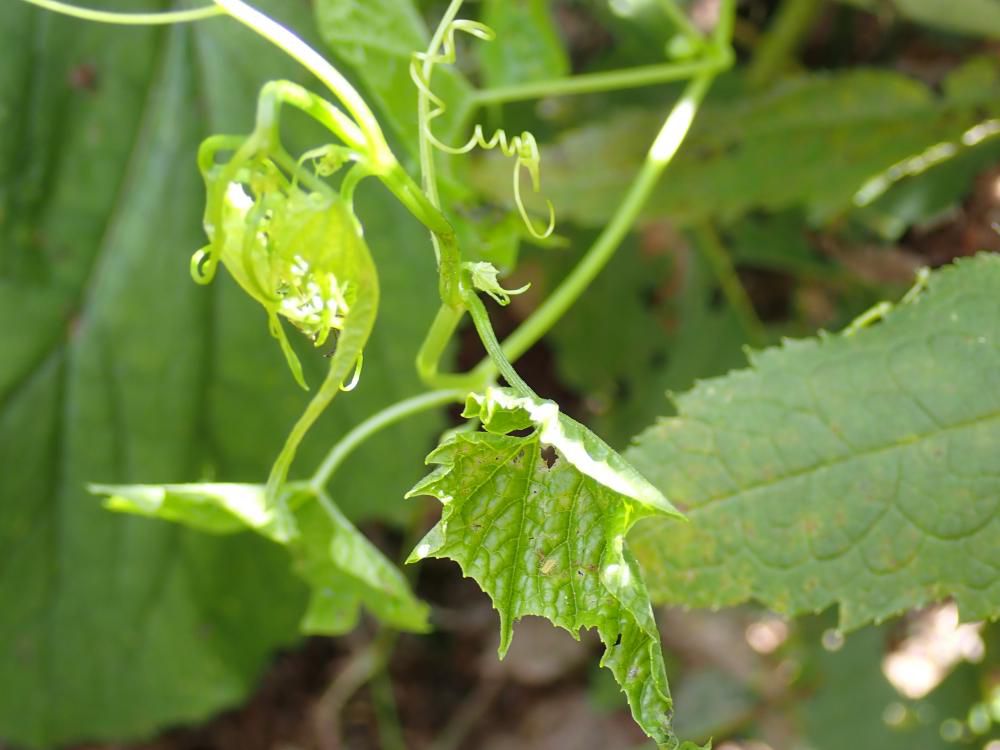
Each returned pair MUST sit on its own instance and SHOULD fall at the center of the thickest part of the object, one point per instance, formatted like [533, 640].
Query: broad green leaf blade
[854, 469]
[338, 561]
[548, 540]
[377, 38]
[731, 163]
[118, 369]
[972, 17]
[342, 568]
[527, 46]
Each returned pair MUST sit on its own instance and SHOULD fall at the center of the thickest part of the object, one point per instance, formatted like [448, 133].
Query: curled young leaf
[341, 567]
[484, 278]
[295, 251]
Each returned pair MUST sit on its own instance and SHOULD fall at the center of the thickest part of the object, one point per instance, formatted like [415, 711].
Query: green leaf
[501, 411]
[116, 368]
[549, 540]
[527, 47]
[972, 17]
[850, 702]
[342, 568]
[770, 150]
[377, 38]
[665, 330]
[858, 469]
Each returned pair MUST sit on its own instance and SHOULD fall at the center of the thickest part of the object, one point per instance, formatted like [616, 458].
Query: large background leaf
[975, 17]
[858, 469]
[117, 368]
[812, 141]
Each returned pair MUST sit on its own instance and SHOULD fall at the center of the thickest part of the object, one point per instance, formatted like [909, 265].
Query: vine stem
[320, 67]
[446, 250]
[667, 141]
[377, 422]
[793, 21]
[481, 319]
[433, 348]
[383, 164]
[428, 168]
[683, 22]
[612, 80]
[129, 19]
[710, 245]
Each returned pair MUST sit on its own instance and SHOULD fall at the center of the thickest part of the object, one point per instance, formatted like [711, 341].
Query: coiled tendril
[524, 146]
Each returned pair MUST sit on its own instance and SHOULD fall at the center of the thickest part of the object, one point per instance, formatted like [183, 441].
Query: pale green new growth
[548, 539]
[342, 568]
[860, 470]
[484, 278]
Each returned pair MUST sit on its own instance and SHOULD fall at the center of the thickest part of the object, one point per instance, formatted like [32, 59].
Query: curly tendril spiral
[523, 147]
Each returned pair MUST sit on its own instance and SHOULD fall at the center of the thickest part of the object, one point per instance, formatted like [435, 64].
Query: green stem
[382, 161]
[350, 344]
[614, 80]
[320, 67]
[359, 669]
[375, 423]
[783, 39]
[433, 347]
[664, 147]
[711, 247]
[443, 236]
[682, 21]
[446, 248]
[276, 94]
[427, 165]
[129, 19]
[390, 731]
[481, 319]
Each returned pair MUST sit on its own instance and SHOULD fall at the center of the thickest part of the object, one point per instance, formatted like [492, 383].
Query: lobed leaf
[549, 540]
[858, 469]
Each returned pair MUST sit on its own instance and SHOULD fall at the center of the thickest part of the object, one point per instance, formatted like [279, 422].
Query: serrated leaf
[854, 469]
[117, 368]
[342, 568]
[549, 540]
[741, 149]
[501, 411]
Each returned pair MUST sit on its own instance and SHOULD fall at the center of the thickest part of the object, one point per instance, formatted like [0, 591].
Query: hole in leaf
[549, 455]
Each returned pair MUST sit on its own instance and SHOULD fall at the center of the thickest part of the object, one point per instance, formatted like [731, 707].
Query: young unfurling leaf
[549, 539]
[341, 567]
